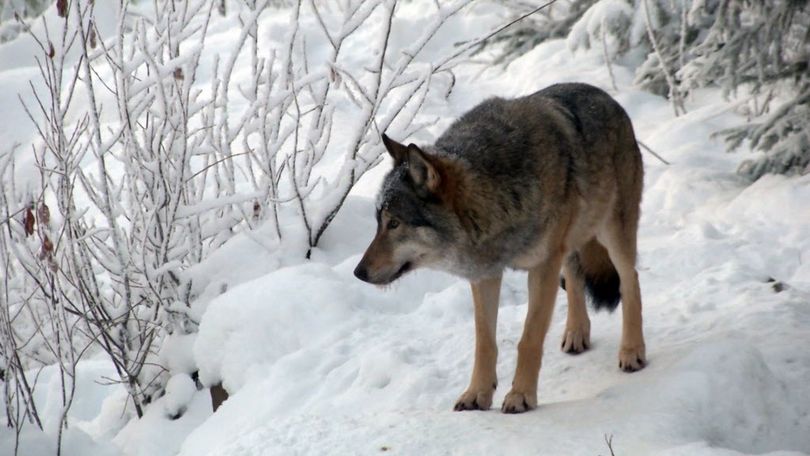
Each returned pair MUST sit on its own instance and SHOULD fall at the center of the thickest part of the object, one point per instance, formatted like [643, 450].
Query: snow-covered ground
[319, 363]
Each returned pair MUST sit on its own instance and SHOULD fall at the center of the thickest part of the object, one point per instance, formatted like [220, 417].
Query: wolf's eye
[392, 224]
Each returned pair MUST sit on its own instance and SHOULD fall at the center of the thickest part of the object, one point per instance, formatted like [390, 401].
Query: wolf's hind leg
[478, 395]
[577, 336]
[543, 280]
[620, 240]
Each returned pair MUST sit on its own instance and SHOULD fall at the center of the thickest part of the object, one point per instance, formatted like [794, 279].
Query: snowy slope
[320, 363]
[323, 364]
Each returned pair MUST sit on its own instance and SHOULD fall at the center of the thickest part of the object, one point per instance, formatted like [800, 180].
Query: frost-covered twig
[674, 91]
[607, 56]
[481, 40]
[40, 248]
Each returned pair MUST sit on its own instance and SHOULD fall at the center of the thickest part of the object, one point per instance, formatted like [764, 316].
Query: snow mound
[258, 322]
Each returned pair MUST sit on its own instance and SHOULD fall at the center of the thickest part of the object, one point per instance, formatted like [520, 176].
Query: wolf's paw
[576, 340]
[632, 359]
[475, 399]
[518, 402]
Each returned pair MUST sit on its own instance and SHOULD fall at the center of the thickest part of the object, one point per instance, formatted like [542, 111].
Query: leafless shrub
[143, 170]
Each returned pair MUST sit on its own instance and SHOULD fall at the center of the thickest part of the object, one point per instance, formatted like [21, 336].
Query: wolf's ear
[397, 151]
[423, 171]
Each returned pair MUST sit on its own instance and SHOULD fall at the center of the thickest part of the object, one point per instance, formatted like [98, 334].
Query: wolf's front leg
[484, 380]
[542, 292]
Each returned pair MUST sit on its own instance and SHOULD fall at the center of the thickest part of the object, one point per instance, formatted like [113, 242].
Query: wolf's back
[531, 160]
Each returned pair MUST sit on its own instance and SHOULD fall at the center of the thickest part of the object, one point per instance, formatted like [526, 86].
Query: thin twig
[647, 148]
[677, 101]
[609, 442]
[477, 41]
[607, 56]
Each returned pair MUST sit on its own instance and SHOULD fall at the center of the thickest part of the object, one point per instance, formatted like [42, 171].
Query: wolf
[550, 183]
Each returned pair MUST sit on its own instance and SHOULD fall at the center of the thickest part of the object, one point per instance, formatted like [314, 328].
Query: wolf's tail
[593, 264]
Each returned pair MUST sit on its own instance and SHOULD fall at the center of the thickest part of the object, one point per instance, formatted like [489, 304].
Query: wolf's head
[414, 226]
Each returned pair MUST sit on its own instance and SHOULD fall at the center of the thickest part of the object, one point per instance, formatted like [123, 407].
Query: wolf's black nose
[361, 273]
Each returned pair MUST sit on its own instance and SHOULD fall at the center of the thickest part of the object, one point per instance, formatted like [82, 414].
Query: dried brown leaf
[92, 38]
[44, 214]
[62, 8]
[28, 222]
[46, 251]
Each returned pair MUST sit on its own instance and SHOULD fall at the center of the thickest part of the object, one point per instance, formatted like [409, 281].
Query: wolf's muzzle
[361, 272]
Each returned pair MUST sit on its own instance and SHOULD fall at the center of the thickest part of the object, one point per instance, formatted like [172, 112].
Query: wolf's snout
[361, 272]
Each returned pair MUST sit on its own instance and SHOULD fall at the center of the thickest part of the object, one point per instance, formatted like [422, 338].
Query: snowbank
[321, 364]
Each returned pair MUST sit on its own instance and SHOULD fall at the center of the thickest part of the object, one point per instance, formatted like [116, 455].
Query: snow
[600, 24]
[180, 390]
[387, 374]
[91, 394]
[176, 353]
[319, 363]
[161, 430]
